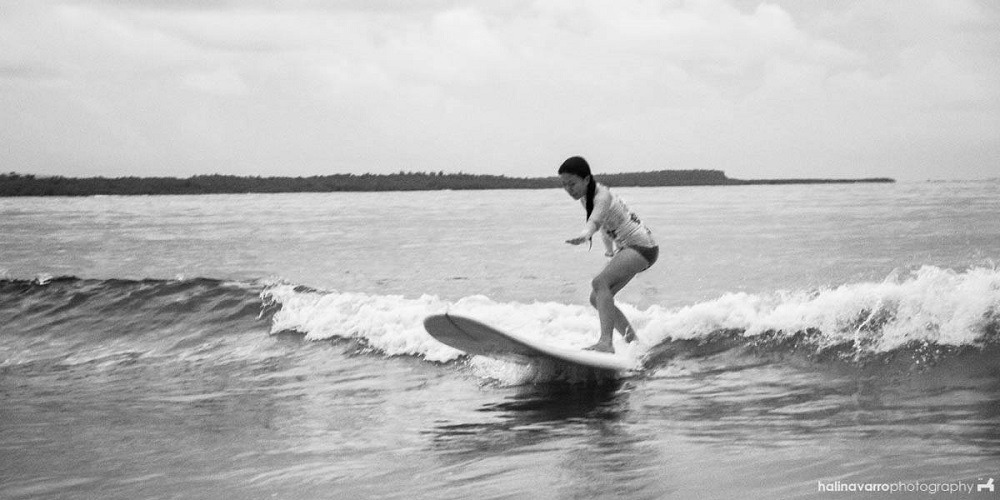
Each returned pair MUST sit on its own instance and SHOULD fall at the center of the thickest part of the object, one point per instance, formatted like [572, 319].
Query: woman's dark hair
[579, 167]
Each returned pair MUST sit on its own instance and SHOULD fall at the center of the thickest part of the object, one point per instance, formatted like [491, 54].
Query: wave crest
[929, 306]
[930, 310]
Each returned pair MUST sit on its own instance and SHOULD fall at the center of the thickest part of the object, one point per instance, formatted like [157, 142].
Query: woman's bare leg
[619, 271]
[622, 324]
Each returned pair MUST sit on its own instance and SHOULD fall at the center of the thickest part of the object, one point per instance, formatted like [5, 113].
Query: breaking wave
[922, 318]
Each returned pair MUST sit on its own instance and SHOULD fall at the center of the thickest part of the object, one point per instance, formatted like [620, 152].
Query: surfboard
[474, 337]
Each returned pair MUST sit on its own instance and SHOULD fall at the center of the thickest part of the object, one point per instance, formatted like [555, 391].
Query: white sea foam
[393, 324]
[930, 305]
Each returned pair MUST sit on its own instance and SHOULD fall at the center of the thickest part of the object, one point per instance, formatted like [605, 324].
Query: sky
[908, 89]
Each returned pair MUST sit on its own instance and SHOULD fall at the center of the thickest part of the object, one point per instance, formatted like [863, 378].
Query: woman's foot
[601, 347]
[630, 335]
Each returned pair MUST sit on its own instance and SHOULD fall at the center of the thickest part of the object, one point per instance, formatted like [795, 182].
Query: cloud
[777, 89]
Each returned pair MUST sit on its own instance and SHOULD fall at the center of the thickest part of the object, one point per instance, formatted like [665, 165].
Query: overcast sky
[908, 89]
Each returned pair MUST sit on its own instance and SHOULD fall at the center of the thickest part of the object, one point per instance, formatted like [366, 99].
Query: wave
[48, 302]
[927, 316]
[931, 313]
[928, 307]
[68, 320]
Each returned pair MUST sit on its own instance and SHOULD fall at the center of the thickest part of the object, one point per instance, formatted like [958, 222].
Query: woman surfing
[627, 241]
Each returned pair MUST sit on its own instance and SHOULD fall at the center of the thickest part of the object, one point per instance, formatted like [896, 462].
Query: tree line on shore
[14, 184]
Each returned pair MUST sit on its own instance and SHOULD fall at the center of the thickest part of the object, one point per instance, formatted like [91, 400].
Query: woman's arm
[602, 200]
[609, 245]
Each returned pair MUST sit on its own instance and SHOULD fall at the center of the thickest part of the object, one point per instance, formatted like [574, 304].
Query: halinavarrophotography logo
[981, 486]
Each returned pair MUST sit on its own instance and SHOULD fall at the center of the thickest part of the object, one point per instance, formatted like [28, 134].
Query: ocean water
[796, 342]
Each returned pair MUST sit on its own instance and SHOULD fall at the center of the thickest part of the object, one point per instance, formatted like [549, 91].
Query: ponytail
[591, 190]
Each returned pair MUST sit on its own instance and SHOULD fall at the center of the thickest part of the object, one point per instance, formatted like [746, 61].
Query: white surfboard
[473, 337]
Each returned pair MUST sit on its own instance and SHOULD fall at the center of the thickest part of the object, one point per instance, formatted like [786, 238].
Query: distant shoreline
[14, 184]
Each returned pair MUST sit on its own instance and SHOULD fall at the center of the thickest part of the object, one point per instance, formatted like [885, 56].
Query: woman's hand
[579, 240]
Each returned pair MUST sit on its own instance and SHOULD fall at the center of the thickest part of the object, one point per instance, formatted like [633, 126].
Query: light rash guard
[619, 226]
